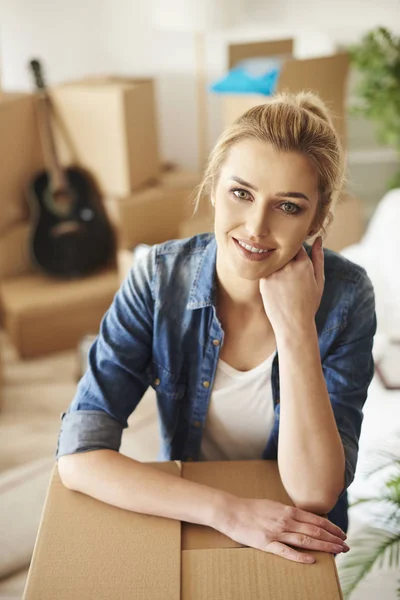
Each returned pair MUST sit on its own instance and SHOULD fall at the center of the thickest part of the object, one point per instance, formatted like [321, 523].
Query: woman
[204, 320]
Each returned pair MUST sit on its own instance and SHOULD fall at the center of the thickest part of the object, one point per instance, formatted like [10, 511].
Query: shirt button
[216, 342]
[206, 384]
[197, 423]
[189, 459]
[157, 381]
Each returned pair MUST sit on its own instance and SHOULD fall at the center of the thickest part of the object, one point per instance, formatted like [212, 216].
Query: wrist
[218, 514]
[296, 332]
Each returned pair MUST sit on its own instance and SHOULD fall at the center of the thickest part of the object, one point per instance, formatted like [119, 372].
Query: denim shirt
[162, 330]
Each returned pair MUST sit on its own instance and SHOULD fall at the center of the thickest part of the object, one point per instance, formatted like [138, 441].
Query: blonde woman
[248, 336]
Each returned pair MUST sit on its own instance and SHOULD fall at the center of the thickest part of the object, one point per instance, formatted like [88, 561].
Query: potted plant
[377, 59]
[379, 544]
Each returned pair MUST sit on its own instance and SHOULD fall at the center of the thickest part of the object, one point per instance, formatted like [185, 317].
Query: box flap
[239, 52]
[107, 81]
[89, 549]
[235, 574]
[248, 479]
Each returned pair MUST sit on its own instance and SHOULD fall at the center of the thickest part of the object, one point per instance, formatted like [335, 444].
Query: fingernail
[338, 548]
[346, 547]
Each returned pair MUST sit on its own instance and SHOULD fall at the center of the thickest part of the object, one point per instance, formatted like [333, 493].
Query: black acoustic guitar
[71, 234]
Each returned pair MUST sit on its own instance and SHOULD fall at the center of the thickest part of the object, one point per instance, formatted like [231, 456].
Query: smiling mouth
[253, 253]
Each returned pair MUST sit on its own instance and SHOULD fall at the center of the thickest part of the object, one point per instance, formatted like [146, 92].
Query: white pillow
[378, 252]
[22, 495]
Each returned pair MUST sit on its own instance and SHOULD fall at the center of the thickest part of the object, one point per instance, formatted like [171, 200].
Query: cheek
[226, 216]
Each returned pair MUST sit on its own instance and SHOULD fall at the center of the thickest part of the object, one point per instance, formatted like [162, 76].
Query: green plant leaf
[377, 60]
[376, 546]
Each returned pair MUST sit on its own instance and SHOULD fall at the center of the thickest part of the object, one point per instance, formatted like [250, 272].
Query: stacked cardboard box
[326, 76]
[158, 213]
[21, 159]
[43, 315]
[40, 314]
[108, 125]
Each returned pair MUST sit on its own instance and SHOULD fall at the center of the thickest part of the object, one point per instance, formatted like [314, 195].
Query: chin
[252, 272]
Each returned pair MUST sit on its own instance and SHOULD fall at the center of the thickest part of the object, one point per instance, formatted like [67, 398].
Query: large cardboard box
[150, 216]
[43, 315]
[108, 125]
[15, 257]
[327, 76]
[21, 155]
[196, 225]
[88, 549]
[348, 225]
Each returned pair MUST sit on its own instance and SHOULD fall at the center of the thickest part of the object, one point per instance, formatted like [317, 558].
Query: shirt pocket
[171, 392]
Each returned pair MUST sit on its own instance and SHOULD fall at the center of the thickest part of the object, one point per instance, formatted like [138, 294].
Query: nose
[257, 222]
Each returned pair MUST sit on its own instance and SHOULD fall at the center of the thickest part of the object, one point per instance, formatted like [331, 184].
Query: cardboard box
[15, 257]
[327, 76]
[348, 226]
[187, 228]
[44, 315]
[177, 178]
[196, 225]
[108, 125]
[21, 155]
[89, 549]
[150, 216]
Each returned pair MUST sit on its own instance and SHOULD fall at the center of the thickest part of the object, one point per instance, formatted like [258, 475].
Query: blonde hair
[291, 123]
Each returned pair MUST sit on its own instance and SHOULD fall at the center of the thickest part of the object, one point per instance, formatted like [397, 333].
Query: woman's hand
[267, 525]
[292, 295]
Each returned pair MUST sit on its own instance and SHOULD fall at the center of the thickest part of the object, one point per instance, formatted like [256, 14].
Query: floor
[36, 392]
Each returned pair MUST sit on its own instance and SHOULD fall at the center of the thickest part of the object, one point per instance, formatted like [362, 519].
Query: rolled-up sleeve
[117, 374]
[348, 370]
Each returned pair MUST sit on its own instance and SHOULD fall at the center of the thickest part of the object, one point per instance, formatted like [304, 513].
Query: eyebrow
[280, 194]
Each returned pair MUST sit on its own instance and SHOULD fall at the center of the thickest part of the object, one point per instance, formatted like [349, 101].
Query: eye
[294, 208]
[241, 194]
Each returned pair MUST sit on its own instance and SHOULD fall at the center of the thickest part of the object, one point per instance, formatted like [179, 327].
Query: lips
[253, 244]
[252, 256]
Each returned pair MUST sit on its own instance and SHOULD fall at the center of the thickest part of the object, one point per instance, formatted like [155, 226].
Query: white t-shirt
[240, 415]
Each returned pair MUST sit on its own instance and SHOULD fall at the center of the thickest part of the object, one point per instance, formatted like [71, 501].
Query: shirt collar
[203, 290]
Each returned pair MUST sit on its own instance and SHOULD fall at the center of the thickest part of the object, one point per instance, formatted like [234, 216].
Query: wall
[97, 36]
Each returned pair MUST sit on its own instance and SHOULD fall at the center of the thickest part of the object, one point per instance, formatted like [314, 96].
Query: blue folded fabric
[253, 76]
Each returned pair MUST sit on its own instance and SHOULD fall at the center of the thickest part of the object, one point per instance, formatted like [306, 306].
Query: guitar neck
[56, 172]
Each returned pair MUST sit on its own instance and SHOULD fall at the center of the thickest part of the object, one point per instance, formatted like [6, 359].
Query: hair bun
[314, 104]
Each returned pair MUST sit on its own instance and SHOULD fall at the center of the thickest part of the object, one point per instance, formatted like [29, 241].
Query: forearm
[121, 481]
[310, 454]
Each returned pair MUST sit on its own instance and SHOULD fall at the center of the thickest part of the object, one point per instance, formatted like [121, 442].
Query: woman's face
[266, 200]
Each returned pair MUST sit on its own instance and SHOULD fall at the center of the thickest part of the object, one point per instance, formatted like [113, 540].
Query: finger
[305, 541]
[318, 259]
[289, 553]
[307, 517]
[313, 531]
